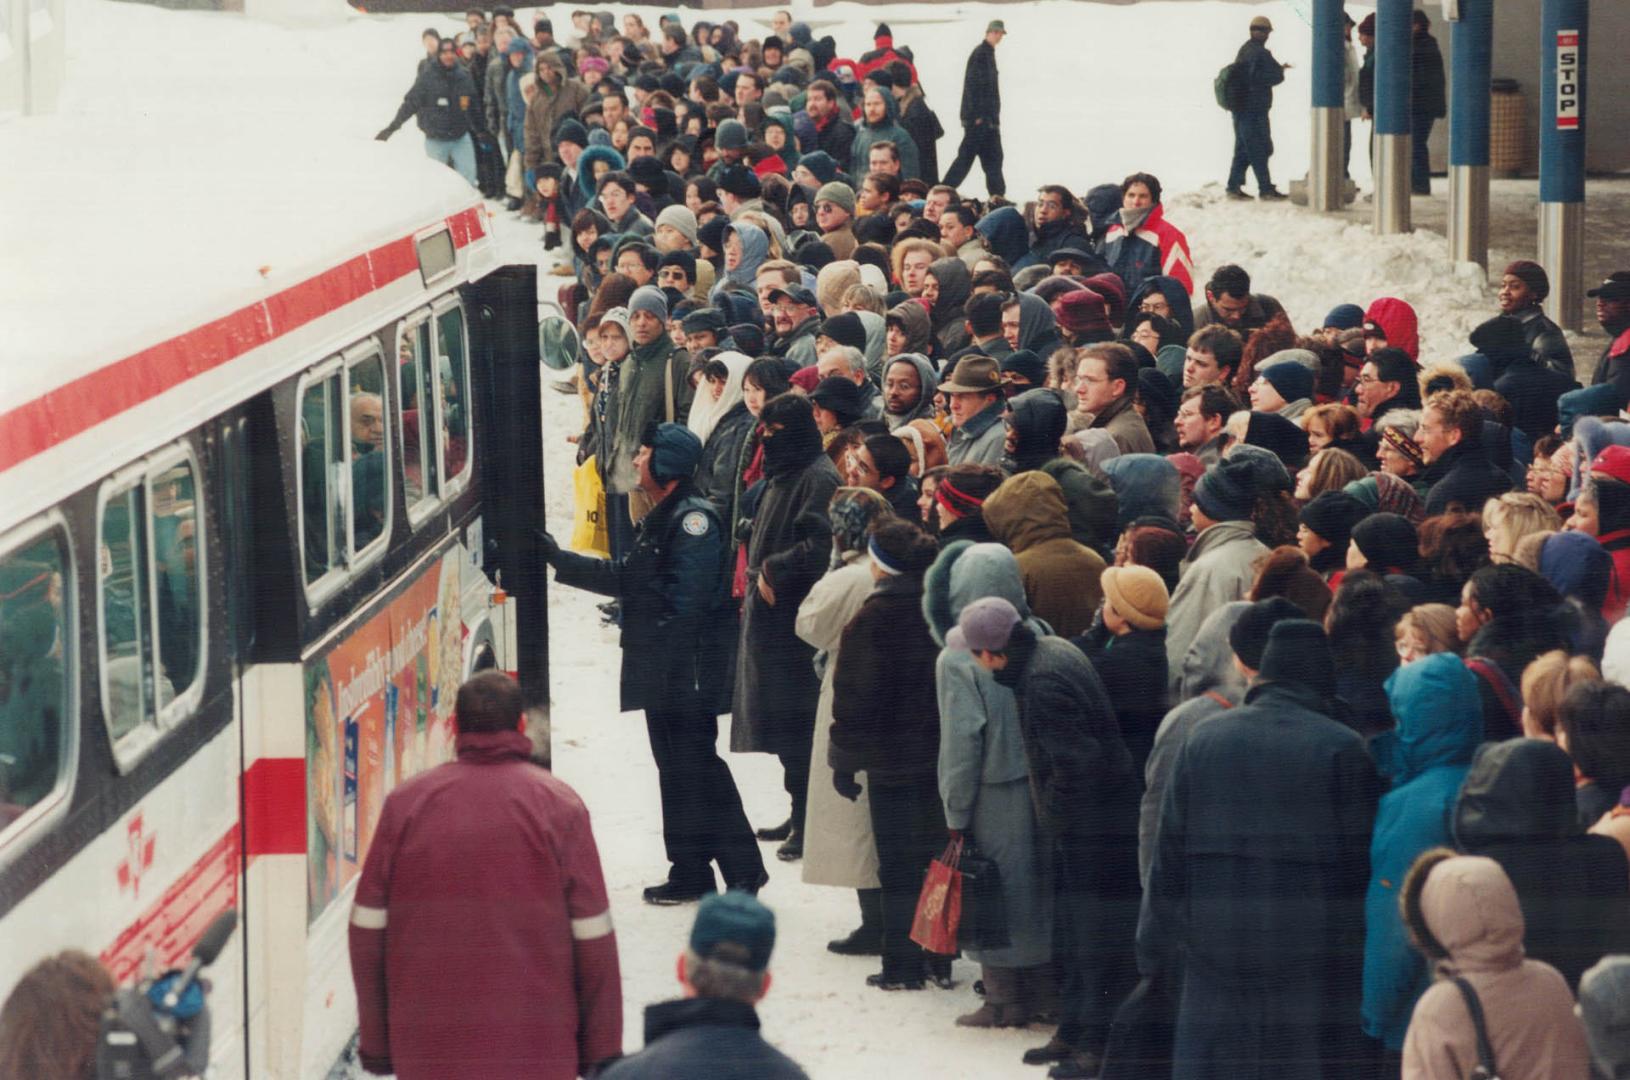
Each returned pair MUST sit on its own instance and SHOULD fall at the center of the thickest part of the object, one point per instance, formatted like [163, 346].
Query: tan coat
[838, 846]
[1470, 907]
[1061, 577]
[548, 109]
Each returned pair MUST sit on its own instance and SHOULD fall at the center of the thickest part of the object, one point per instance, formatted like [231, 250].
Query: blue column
[1392, 120]
[1324, 174]
[1473, 40]
[1329, 54]
[1564, 30]
[1392, 66]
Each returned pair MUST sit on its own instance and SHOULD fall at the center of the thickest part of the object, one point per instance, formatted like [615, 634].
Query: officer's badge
[695, 523]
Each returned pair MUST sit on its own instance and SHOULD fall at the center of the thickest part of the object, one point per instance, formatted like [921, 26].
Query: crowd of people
[1278, 670]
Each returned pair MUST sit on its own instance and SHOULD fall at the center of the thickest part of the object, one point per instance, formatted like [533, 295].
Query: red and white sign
[1569, 79]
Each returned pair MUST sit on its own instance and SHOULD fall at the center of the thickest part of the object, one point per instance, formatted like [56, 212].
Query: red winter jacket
[882, 55]
[481, 939]
[1155, 247]
[1398, 323]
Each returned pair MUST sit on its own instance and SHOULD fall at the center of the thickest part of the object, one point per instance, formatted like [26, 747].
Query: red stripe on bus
[274, 807]
[74, 408]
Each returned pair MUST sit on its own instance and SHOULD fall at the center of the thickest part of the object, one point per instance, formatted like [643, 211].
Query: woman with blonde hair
[1426, 629]
[1331, 469]
[1545, 682]
[1510, 517]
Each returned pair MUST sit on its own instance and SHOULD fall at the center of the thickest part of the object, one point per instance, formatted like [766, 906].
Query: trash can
[1508, 128]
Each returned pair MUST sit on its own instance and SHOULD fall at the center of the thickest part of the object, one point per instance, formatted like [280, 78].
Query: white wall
[32, 37]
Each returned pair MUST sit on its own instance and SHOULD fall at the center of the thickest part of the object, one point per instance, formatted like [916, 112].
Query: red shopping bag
[939, 905]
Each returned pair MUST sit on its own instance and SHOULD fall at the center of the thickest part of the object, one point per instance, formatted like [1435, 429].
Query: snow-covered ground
[1092, 92]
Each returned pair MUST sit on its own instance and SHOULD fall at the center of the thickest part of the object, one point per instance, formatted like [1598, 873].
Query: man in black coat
[1256, 887]
[1086, 790]
[981, 115]
[1428, 100]
[833, 133]
[1458, 466]
[1256, 74]
[672, 585]
[713, 1030]
[443, 99]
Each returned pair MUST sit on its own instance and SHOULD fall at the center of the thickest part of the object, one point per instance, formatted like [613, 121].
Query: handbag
[589, 533]
[939, 905]
[1486, 1069]
[984, 911]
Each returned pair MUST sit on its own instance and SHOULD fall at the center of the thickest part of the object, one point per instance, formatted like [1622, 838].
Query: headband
[880, 559]
[958, 502]
[1395, 438]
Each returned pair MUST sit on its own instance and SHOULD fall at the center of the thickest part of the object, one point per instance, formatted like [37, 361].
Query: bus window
[126, 660]
[454, 377]
[370, 478]
[175, 575]
[151, 596]
[420, 458]
[35, 639]
[321, 458]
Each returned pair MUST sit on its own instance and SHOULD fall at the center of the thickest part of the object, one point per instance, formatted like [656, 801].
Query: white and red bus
[270, 470]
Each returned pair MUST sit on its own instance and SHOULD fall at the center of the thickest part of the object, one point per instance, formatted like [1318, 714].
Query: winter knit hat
[1269, 472]
[1248, 637]
[1344, 317]
[1298, 653]
[679, 217]
[732, 135]
[852, 512]
[1138, 595]
[1081, 311]
[685, 260]
[1388, 543]
[1533, 275]
[1613, 463]
[706, 320]
[572, 131]
[836, 192]
[987, 623]
[845, 328]
[1027, 364]
[1289, 379]
[649, 298]
[1110, 286]
[618, 317]
[1577, 566]
[740, 181]
[821, 164]
[1332, 515]
[840, 397]
[710, 234]
[740, 920]
[1227, 492]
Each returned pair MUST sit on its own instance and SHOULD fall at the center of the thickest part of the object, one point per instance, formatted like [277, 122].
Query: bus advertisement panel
[378, 709]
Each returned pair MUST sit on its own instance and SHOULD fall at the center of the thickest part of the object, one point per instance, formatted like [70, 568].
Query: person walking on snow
[982, 115]
[442, 97]
[1257, 73]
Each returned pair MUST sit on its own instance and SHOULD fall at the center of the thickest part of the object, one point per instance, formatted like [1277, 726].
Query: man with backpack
[1246, 90]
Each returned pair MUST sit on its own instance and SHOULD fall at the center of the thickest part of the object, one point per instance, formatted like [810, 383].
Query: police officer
[672, 586]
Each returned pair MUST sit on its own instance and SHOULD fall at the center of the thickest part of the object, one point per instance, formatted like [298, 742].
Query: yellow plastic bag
[589, 534]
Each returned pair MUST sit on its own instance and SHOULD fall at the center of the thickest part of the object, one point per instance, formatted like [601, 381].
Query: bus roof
[139, 259]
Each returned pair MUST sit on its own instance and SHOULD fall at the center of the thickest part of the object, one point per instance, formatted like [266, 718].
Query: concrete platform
[1514, 230]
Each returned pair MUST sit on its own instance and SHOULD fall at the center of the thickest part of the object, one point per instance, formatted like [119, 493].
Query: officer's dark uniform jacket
[671, 585]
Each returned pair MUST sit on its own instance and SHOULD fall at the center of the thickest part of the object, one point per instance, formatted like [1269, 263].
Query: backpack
[1231, 86]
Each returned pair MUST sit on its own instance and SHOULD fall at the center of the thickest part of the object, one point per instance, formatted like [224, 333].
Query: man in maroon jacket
[481, 939]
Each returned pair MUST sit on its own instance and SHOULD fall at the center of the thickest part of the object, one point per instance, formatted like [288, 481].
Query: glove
[844, 784]
[377, 1064]
[550, 546]
[384, 133]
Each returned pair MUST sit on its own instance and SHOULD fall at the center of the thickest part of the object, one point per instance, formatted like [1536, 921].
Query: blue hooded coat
[514, 103]
[1177, 298]
[1440, 723]
[1005, 234]
[585, 190]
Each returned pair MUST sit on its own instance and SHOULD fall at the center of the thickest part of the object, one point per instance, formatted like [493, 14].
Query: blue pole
[1564, 30]
[1325, 176]
[1472, 41]
[1329, 54]
[1393, 65]
[1472, 38]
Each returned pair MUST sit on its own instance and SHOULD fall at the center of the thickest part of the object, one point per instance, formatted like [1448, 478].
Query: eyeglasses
[1367, 380]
